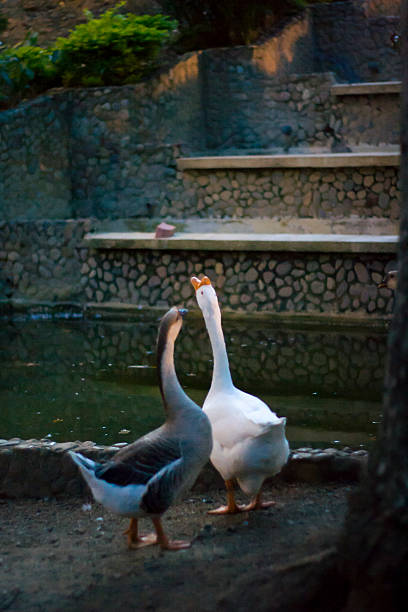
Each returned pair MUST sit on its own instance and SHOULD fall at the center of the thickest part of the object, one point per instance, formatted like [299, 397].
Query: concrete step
[301, 274]
[319, 243]
[369, 88]
[317, 159]
[312, 183]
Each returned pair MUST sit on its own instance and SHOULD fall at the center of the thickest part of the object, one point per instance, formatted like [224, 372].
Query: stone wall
[241, 87]
[305, 192]
[381, 7]
[366, 119]
[261, 281]
[113, 180]
[123, 138]
[43, 261]
[259, 108]
[41, 469]
[35, 173]
[100, 151]
[356, 46]
[255, 110]
[264, 356]
[271, 360]
[39, 260]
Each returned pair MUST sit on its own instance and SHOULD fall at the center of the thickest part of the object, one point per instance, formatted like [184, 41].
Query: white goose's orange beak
[197, 283]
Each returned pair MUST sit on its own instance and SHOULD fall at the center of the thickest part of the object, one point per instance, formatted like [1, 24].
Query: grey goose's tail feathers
[83, 462]
[123, 474]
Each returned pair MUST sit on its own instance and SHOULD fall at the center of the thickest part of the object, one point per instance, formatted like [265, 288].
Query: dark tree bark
[374, 546]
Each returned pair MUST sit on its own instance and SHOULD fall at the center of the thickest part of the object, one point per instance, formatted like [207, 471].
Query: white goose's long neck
[221, 373]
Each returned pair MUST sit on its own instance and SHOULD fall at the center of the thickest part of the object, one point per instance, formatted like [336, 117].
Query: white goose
[249, 442]
[146, 477]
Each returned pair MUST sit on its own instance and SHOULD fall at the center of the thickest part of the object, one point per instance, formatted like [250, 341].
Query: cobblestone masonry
[263, 357]
[353, 38]
[254, 110]
[35, 179]
[305, 192]
[39, 259]
[277, 282]
[53, 473]
[43, 261]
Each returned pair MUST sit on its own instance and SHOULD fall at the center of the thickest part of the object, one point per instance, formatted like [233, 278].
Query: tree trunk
[374, 546]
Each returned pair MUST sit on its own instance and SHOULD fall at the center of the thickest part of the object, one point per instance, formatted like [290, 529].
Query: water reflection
[96, 381]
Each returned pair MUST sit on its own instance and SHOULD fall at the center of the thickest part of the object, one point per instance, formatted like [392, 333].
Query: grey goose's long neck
[221, 373]
[174, 398]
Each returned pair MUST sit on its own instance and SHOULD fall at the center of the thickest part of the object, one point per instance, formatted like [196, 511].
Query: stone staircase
[278, 163]
[296, 231]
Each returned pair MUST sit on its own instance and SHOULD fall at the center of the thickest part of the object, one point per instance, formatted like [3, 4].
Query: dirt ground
[53, 18]
[60, 555]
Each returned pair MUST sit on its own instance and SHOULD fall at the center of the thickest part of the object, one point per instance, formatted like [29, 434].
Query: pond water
[96, 380]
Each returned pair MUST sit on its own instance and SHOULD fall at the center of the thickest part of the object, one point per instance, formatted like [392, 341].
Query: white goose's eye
[202, 293]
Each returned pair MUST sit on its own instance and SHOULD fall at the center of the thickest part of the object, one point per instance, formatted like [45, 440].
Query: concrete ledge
[117, 311]
[40, 468]
[354, 89]
[308, 160]
[318, 243]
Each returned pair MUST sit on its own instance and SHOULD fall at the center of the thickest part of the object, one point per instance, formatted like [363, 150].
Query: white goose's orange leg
[257, 504]
[232, 506]
[134, 540]
[163, 540]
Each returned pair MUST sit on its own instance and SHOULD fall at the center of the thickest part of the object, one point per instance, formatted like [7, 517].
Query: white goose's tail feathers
[276, 428]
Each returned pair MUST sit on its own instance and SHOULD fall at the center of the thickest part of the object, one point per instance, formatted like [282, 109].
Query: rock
[164, 230]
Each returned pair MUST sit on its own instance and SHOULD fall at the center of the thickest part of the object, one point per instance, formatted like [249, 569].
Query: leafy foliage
[25, 68]
[110, 50]
[113, 49]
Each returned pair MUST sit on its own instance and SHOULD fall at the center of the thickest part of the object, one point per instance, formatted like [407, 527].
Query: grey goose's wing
[122, 474]
[162, 483]
[151, 453]
[163, 488]
[147, 458]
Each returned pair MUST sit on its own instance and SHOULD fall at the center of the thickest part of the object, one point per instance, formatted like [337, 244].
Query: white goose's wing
[249, 439]
[236, 416]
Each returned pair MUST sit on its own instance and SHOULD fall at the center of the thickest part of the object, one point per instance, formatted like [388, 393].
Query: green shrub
[25, 69]
[113, 49]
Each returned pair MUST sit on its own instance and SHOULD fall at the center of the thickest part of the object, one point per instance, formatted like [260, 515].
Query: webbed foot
[232, 506]
[257, 504]
[174, 544]
[136, 541]
[229, 509]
